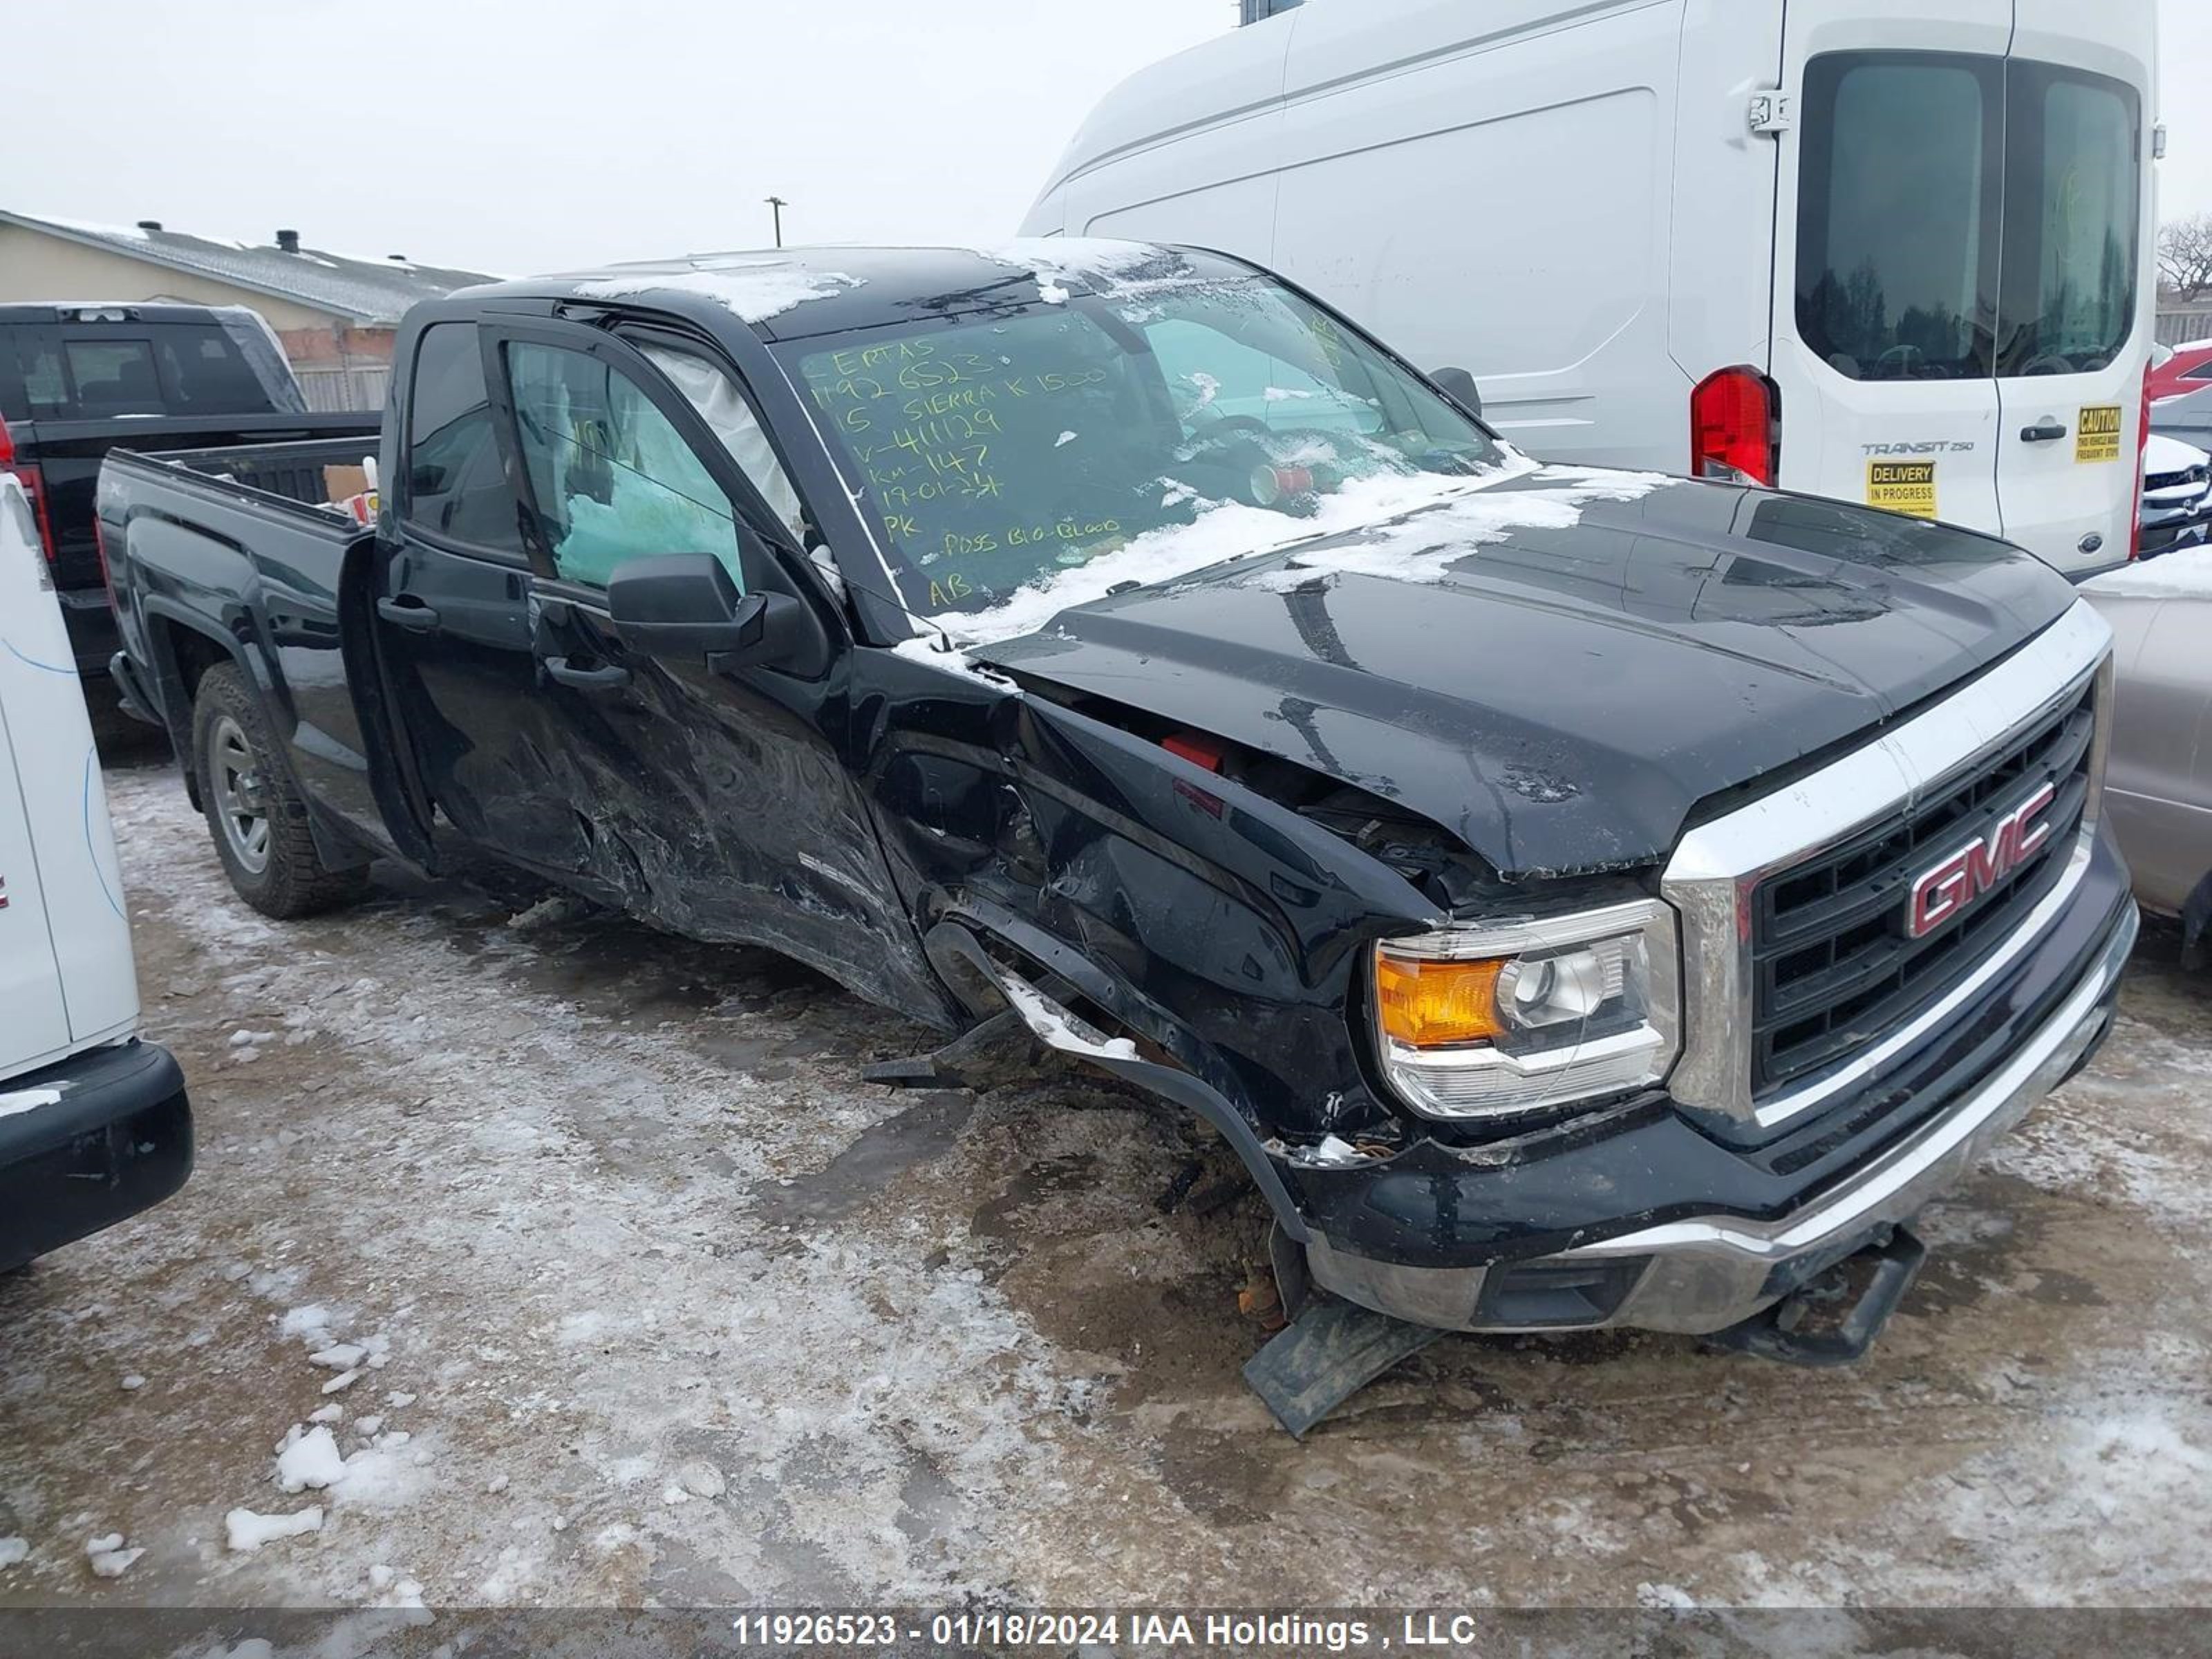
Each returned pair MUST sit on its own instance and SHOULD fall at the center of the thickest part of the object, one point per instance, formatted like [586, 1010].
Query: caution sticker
[1902, 487]
[2097, 435]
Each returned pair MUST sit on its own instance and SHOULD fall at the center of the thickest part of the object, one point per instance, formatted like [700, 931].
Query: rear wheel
[257, 820]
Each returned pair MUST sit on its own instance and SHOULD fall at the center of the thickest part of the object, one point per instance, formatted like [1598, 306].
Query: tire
[255, 814]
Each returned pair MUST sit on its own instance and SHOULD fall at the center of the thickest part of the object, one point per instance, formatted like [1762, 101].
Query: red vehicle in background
[2187, 368]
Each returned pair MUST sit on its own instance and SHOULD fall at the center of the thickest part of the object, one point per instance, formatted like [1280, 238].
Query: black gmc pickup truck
[82, 378]
[1580, 898]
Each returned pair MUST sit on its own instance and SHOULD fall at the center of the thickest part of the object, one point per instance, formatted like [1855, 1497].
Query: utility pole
[776, 204]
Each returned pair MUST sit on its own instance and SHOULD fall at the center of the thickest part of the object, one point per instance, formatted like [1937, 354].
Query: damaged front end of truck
[1452, 962]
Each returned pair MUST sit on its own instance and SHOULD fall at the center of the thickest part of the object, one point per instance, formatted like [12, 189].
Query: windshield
[1087, 435]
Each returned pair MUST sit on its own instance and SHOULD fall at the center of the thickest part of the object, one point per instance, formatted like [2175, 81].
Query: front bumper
[2169, 531]
[1703, 1274]
[117, 1139]
[1646, 1214]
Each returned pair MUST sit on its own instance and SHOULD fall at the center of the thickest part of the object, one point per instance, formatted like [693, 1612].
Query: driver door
[716, 800]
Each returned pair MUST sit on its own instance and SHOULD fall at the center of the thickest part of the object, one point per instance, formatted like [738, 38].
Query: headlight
[1495, 1019]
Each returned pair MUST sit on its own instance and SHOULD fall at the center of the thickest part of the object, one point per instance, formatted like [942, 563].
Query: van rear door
[1887, 228]
[2076, 303]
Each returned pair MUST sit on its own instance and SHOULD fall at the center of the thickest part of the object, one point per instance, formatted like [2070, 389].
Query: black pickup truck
[80, 379]
[1580, 898]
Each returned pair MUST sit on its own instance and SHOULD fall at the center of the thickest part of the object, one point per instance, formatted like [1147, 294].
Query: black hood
[1557, 676]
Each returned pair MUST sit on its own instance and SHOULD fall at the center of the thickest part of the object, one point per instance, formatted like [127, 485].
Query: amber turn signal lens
[1429, 1003]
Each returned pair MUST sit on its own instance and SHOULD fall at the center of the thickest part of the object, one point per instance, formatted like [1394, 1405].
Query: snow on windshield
[2184, 575]
[756, 290]
[1018, 460]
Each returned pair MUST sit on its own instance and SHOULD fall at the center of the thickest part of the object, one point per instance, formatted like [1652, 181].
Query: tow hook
[1833, 1318]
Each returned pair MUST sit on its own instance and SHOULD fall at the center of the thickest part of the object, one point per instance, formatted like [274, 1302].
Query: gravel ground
[655, 1301]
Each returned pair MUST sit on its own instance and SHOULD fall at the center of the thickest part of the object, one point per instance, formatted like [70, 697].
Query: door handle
[2043, 432]
[416, 619]
[609, 678]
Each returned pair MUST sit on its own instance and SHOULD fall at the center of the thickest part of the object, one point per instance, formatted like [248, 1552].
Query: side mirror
[684, 608]
[1461, 384]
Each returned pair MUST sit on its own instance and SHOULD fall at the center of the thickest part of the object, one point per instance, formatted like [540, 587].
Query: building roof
[359, 290]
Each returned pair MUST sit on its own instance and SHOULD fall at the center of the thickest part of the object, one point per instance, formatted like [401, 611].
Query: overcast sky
[535, 135]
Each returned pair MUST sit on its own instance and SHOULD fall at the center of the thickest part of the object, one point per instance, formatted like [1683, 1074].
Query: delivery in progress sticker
[2097, 437]
[1902, 487]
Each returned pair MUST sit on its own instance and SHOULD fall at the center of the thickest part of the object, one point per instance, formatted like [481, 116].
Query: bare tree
[2184, 255]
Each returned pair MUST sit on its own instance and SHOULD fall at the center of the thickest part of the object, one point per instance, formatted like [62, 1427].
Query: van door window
[612, 478]
[2072, 178]
[1898, 214]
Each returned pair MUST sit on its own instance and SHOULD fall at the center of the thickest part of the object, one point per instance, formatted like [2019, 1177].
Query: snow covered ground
[558, 1262]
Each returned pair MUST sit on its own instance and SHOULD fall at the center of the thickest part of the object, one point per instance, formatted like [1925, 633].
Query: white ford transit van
[94, 1125]
[1890, 251]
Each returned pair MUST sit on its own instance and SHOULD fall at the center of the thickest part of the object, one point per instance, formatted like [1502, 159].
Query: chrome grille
[1832, 958]
[1927, 774]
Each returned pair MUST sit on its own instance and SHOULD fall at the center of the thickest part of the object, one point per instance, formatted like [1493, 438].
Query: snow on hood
[1424, 547]
[755, 288]
[1228, 530]
[1407, 548]
[2184, 575]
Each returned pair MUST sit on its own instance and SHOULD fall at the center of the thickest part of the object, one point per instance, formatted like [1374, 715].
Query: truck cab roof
[794, 293]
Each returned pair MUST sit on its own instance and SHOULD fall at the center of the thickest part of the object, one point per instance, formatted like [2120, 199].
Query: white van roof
[1253, 70]
[1237, 75]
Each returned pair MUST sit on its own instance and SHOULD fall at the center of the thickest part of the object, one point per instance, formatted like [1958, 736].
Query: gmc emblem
[1941, 893]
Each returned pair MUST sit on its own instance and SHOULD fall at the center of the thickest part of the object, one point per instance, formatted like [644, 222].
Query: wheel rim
[242, 806]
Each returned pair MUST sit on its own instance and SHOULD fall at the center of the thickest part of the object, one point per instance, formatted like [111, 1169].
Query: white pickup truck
[94, 1124]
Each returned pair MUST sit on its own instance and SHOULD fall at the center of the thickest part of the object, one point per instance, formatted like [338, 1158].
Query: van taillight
[1736, 428]
[35, 487]
[2142, 454]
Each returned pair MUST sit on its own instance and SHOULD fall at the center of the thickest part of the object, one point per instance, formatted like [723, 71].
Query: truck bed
[70, 453]
[280, 474]
[229, 554]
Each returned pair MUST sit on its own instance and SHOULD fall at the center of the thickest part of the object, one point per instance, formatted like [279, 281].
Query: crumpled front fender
[1218, 926]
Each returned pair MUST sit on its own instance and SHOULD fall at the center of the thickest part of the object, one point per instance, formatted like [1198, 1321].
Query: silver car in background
[2187, 417]
[2176, 500]
[2158, 790]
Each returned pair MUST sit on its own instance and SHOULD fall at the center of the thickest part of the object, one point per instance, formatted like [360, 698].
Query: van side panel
[66, 975]
[1235, 214]
[1488, 187]
[36, 1028]
[1182, 151]
[1721, 248]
